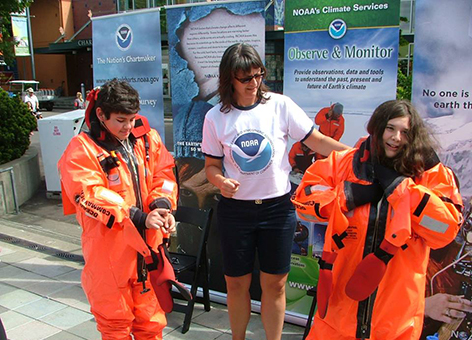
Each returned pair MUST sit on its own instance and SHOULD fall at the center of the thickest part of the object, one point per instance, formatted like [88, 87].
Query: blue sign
[128, 47]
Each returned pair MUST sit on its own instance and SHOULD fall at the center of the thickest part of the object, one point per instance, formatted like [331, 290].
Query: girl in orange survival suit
[387, 203]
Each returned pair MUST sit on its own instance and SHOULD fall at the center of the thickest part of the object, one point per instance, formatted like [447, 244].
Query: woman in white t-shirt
[245, 140]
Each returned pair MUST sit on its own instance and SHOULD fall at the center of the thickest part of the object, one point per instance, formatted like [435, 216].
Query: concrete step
[51, 229]
[64, 102]
[40, 238]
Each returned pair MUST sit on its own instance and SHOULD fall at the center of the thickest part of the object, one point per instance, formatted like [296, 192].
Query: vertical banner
[340, 64]
[19, 25]
[198, 36]
[128, 47]
[442, 93]
[341, 53]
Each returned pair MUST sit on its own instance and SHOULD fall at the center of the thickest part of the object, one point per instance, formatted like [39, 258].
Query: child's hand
[161, 218]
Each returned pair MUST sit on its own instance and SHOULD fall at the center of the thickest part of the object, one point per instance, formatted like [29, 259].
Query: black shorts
[246, 226]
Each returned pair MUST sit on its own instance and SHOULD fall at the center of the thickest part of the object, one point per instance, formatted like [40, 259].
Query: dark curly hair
[238, 57]
[419, 147]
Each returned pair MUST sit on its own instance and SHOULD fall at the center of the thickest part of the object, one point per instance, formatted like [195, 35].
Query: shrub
[16, 124]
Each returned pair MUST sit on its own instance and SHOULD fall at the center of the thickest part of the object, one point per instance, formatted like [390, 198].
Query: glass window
[140, 4]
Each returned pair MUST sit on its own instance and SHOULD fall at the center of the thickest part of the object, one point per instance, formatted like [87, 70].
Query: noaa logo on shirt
[462, 335]
[252, 152]
[337, 29]
[124, 37]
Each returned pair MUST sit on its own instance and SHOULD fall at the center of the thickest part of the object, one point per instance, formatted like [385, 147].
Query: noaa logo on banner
[124, 37]
[252, 152]
[337, 29]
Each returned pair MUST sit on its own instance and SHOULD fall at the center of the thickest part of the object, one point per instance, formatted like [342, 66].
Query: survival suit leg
[125, 311]
[147, 324]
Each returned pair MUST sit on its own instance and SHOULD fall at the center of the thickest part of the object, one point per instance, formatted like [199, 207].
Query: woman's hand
[446, 307]
[161, 218]
[214, 173]
[229, 187]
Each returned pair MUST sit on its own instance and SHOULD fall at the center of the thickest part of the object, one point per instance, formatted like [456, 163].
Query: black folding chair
[310, 292]
[191, 222]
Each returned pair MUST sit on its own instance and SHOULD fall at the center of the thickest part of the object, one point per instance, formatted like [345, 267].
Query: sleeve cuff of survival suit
[162, 203]
[138, 217]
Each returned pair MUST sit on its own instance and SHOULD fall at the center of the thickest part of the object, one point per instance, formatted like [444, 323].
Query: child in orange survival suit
[118, 177]
[387, 203]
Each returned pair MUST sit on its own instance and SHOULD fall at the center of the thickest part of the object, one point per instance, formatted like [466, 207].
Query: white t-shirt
[33, 100]
[253, 144]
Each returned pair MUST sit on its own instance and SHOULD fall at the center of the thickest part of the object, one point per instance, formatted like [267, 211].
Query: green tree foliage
[17, 122]
[403, 41]
[403, 85]
[404, 78]
[6, 37]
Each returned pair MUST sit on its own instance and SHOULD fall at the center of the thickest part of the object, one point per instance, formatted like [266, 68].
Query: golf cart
[45, 96]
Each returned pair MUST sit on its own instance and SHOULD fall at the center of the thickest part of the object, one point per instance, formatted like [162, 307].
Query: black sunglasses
[248, 79]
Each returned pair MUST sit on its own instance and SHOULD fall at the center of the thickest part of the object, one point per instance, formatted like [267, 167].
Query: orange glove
[369, 272]
[162, 277]
[325, 282]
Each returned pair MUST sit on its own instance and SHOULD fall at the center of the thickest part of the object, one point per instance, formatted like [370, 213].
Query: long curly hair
[239, 57]
[419, 147]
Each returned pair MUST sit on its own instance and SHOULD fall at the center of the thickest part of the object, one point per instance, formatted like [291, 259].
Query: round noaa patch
[252, 152]
[124, 37]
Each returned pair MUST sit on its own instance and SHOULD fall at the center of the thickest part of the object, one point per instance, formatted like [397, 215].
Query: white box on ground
[55, 133]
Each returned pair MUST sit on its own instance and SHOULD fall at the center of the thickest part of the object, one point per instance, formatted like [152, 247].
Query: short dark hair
[238, 57]
[117, 96]
[420, 146]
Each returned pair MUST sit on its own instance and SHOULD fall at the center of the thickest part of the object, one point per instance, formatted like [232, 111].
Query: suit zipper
[133, 168]
[367, 317]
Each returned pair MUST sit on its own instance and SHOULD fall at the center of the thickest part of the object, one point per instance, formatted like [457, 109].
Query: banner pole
[30, 38]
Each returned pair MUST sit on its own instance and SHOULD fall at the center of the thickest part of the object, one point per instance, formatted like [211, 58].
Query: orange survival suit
[332, 127]
[300, 157]
[111, 190]
[414, 214]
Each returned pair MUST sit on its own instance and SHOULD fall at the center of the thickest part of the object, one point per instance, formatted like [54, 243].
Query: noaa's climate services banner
[198, 36]
[341, 53]
[128, 47]
[442, 93]
[335, 52]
